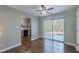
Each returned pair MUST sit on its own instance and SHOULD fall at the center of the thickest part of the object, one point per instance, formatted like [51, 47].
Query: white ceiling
[31, 9]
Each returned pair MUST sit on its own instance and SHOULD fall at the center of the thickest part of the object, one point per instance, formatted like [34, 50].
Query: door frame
[64, 27]
[52, 24]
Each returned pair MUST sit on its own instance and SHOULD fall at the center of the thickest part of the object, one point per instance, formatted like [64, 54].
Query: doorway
[54, 29]
[58, 29]
[26, 32]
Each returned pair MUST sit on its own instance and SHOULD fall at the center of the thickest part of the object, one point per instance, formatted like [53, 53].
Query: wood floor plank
[42, 46]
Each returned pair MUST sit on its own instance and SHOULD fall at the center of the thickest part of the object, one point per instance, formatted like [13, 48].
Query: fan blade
[42, 6]
[50, 8]
[41, 13]
[49, 13]
[38, 10]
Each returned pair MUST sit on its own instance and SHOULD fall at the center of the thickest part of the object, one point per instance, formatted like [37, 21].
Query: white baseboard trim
[10, 47]
[41, 37]
[69, 44]
[35, 38]
[77, 48]
[64, 42]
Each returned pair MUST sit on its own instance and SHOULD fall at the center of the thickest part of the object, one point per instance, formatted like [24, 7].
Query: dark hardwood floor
[42, 46]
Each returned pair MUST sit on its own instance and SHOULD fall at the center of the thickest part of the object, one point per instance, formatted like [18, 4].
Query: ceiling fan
[44, 10]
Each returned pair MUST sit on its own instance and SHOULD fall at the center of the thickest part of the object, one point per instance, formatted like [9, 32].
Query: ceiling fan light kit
[44, 10]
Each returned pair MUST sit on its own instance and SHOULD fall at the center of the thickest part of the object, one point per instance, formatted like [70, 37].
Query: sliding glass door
[58, 29]
[47, 29]
[54, 29]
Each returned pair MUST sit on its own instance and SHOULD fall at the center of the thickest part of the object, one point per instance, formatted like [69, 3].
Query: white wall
[77, 30]
[70, 25]
[10, 26]
[35, 29]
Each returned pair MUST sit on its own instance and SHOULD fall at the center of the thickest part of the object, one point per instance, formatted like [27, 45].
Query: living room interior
[39, 29]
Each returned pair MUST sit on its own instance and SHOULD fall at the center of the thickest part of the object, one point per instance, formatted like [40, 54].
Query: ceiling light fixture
[44, 13]
[44, 10]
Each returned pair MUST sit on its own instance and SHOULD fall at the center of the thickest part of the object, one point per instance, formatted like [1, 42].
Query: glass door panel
[54, 29]
[58, 29]
[47, 29]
